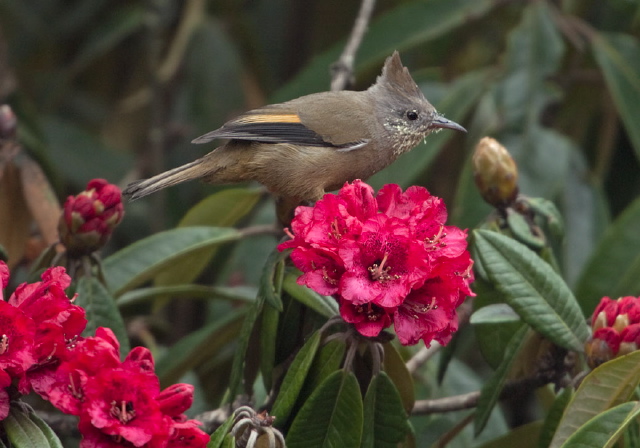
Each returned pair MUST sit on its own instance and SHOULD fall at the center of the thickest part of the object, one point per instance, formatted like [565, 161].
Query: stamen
[4, 344]
[380, 272]
[124, 413]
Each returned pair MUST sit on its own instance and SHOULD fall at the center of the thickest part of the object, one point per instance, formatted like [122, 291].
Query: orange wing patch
[268, 118]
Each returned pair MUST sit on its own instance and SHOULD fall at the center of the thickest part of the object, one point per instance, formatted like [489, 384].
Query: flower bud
[89, 218]
[495, 173]
[616, 330]
[175, 399]
[8, 122]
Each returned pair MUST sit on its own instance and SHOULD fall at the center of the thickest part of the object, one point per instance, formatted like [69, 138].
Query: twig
[470, 400]
[422, 356]
[342, 69]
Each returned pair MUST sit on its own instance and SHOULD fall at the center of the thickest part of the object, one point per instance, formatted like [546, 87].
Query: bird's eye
[412, 115]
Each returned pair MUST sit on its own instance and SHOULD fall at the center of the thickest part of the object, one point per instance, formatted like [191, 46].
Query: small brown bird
[307, 146]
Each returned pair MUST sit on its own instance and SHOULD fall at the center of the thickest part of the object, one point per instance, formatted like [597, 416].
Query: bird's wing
[274, 124]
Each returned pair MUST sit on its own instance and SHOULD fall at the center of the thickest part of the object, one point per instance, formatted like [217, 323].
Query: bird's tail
[141, 188]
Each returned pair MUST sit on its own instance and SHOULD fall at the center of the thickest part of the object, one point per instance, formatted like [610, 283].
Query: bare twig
[342, 69]
[422, 356]
[470, 400]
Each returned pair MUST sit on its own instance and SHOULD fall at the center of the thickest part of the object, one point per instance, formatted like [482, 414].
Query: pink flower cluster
[616, 329]
[89, 218]
[120, 404]
[387, 259]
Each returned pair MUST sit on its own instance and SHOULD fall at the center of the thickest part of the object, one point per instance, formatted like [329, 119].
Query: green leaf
[222, 209]
[332, 417]
[271, 279]
[605, 429]
[396, 368]
[268, 340]
[422, 21]
[22, 432]
[385, 421]
[491, 390]
[614, 267]
[190, 291]
[243, 343]
[101, 310]
[50, 435]
[217, 438]
[142, 260]
[524, 436]
[494, 314]
[323, 305]
[606, 386]
[327, 361]
[532, 288]
[294, 379]
[197, 347]
[553, 417]
[618, 56]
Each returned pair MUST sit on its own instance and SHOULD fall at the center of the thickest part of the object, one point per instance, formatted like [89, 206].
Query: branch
[342, 69]
[470, 400]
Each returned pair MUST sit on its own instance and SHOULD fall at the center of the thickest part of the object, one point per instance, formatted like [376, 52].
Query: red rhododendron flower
[58, 322]
[89, 218]
[121, 402]
[16, 340]
[64, 386]
[388, 259]
[616, 329]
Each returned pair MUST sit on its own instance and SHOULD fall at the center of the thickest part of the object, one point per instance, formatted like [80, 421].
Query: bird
[303, 148]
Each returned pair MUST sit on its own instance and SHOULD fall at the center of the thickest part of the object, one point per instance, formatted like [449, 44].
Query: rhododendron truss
[387, 258]
[119, 403]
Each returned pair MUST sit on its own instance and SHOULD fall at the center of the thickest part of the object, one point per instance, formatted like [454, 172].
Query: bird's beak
[440, 122]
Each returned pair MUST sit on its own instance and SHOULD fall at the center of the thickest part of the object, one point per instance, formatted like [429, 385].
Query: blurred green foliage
[118, 90]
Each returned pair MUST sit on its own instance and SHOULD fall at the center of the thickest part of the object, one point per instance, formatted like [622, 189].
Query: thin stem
[343, 68]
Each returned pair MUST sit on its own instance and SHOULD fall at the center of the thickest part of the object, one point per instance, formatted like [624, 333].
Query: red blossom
[64, 385]
[616, 329]
[89, 218]
[17, 332]
[58, 322]
[121, 402]
[387, 259]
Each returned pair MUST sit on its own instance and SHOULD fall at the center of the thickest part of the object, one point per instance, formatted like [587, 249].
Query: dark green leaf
[101, 310]
[271, 279]
[326, 306]
[217, 438]
[618, 55]
[22, 432]
[533, 289]
[553, 417]
[524, 436]
[197, 347]
[142, 260]
[606, 386]
[493, 388]
[327, 361]
[231, 293]
[605, 429]
[332, 417]
[52, 437]
[385, 421]
[294, 379]
[268, 341]
[396, 368]
[521, 230]
[614, 267]
[222, 209]
[494, 314]
[243, 343]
